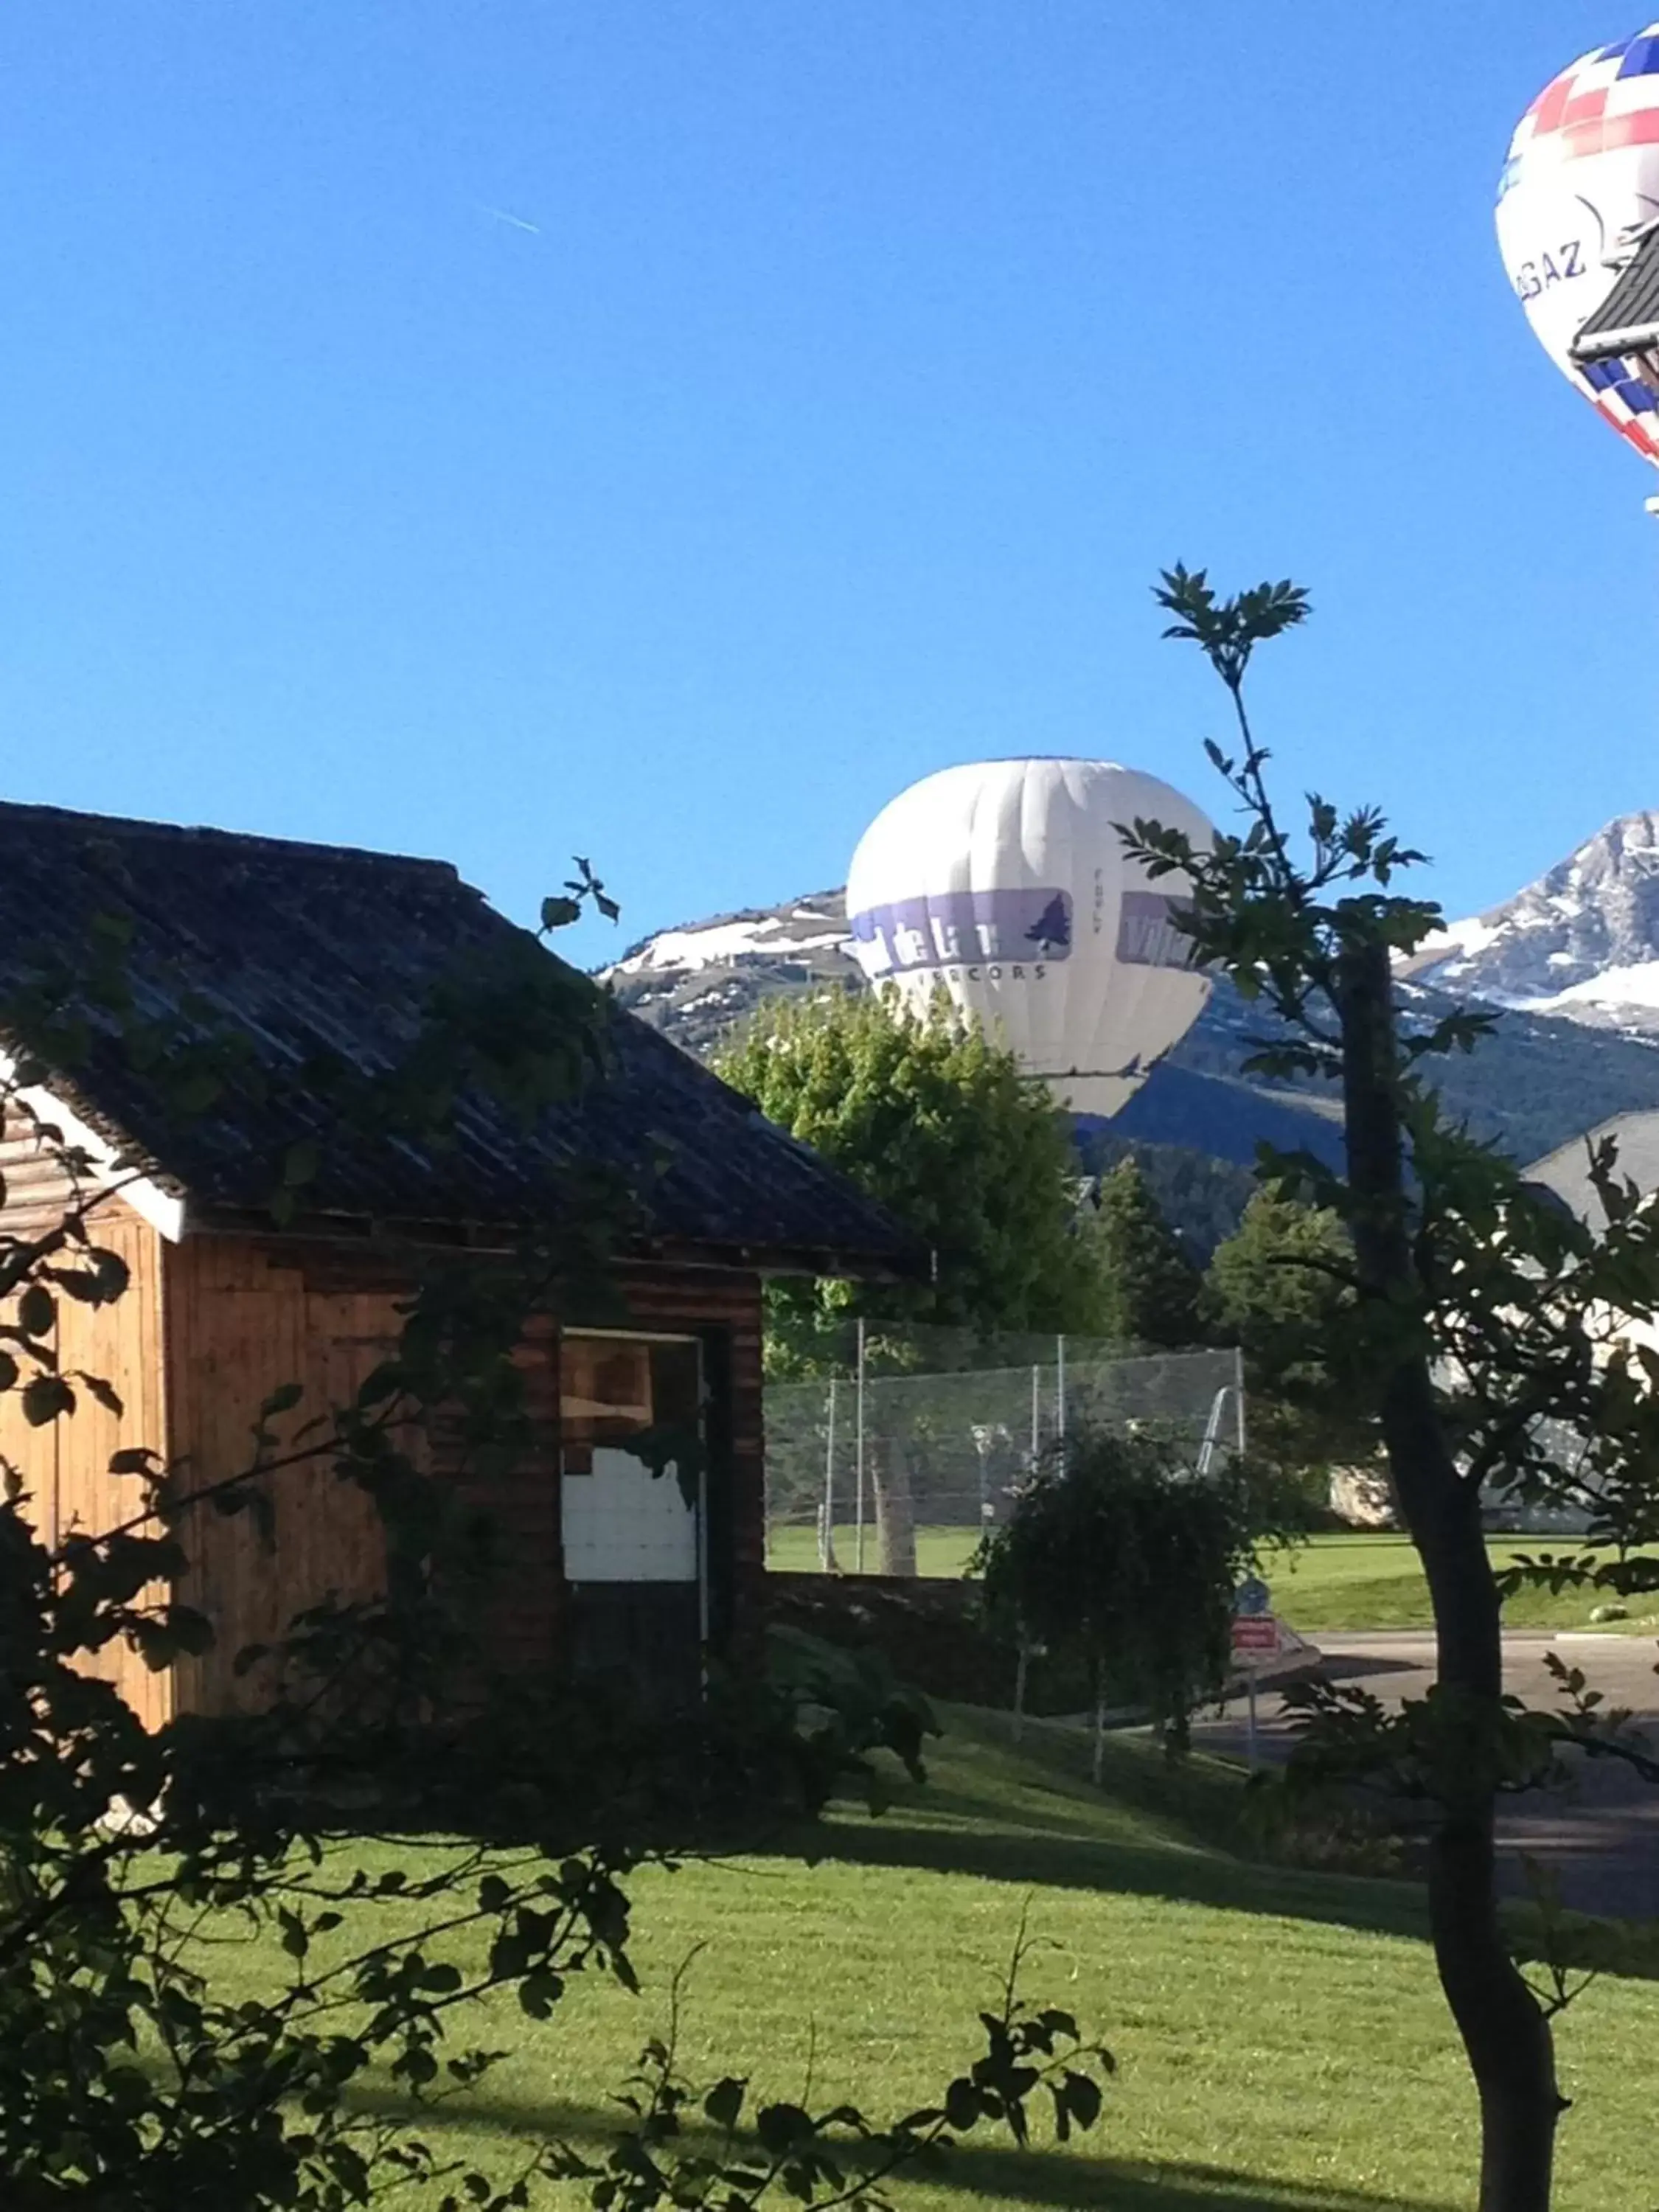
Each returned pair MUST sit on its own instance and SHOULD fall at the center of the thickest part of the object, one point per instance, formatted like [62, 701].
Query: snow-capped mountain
[1537, 1082]
[696, 981]
[1581, 943]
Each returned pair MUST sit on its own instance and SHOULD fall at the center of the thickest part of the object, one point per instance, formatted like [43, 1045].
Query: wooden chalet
[286, 952]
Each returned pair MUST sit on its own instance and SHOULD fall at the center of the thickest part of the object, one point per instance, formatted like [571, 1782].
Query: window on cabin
[621, 1522]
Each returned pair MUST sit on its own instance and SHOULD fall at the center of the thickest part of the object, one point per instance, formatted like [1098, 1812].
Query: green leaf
[382, 1382]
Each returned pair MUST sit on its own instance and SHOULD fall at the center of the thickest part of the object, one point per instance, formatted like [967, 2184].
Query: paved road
[1602, 1836]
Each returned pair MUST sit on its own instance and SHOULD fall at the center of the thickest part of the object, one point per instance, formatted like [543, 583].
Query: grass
[940, 1552]
[1332, 1582]
[1281, 2038]
[1374, 1581]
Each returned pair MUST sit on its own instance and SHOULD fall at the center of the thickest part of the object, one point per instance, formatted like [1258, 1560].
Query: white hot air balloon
[1577, 193]
[1007, 882]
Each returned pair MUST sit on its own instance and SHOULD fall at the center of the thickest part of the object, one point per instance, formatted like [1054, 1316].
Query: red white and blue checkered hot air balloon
[1577, 199]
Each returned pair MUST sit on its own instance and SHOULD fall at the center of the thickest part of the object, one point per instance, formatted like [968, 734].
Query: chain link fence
[896, 1462]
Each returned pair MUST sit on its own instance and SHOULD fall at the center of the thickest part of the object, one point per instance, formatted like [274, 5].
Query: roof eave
[152, 1196]
[897, 1264]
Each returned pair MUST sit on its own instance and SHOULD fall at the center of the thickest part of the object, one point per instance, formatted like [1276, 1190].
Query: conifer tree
[1151, 1289]
[1280, 1289]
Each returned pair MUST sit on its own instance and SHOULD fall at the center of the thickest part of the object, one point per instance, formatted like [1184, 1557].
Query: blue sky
[865, 360]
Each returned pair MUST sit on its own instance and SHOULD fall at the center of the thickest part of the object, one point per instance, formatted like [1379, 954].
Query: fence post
[1060, 1384]
[857, 1552]
[827, 1534]
[1036, 1416]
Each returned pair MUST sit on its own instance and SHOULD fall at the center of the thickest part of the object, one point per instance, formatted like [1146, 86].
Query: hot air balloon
[1006, 882]
[1577, 202]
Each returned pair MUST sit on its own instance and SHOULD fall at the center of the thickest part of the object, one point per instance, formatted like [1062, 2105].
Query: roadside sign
[1256, 1644]
[1252, 1597]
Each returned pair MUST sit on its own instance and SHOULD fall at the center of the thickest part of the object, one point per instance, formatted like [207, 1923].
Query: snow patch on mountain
[1582, 942]
[724, 943]
[696, 981]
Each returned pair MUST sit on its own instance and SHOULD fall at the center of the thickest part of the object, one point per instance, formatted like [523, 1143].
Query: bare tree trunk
[1504, 2031]
[895, 1512]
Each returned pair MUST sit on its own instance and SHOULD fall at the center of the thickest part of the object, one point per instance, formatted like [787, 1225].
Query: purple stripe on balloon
[954, 927]
[1146, 932]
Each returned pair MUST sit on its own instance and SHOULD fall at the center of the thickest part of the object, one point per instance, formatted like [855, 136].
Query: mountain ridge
[1581, 943]
[1542, 1078]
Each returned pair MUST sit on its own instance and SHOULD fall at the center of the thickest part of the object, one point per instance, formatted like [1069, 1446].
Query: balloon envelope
[1580, 185]
[1006, 882]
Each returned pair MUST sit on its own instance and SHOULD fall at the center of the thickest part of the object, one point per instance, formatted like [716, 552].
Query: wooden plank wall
[211, 1327]
[123, 1342]
[38, 1191]
[246, 1314]
[516, 1613]
[65, 1465]
[522, 1621]
[242, 1322]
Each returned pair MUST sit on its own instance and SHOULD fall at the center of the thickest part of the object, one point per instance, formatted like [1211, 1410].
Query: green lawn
[1281, 2041]
[1356, 1581]
[944, 1552]
[1329, 1584]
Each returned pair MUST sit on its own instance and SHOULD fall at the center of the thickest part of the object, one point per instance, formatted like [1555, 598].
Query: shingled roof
[1627, 320]
[297, 952]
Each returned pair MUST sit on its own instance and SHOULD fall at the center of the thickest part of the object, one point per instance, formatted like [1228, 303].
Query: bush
[1121, 1554]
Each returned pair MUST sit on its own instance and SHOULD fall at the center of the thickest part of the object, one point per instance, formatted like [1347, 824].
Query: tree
[133, 2073]
[1119, 1555]
[1488, 1333]
[934, 1120]
[1151, 1288]
[1280, 1289]
[1202, 1197]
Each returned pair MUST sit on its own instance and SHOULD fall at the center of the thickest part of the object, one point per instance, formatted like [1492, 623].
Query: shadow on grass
[1057, 1831]
[1185, 1874]
[1174, 1831]
[1073, 2182]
